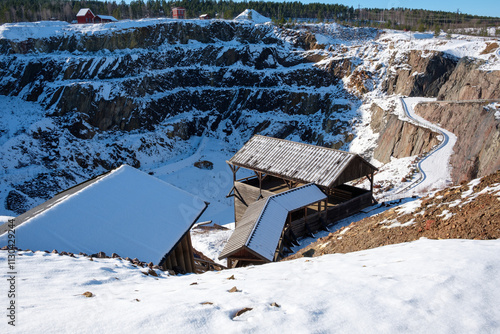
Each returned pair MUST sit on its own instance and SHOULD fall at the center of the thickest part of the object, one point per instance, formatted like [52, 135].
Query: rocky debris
[100, 255]
[469, 82]
[243, 310]
[274, 304]
[399, 138]
[150, 272]
[419, 73]
[476, 153]
[234, 289]
[204, 164]
[468, 211]
[88, 294]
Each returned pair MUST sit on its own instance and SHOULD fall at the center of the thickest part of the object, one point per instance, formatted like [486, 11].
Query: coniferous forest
[280, 12]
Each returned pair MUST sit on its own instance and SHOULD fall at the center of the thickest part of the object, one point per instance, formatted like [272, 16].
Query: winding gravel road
[434, 167]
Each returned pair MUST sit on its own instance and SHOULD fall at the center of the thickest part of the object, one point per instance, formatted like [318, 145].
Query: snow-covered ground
[418, 287]
[458, 45]
[212, 242]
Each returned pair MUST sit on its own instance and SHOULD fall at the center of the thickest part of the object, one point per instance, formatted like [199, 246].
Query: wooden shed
[279, 165]
[265, 232]
[123, 211]
[85, 15]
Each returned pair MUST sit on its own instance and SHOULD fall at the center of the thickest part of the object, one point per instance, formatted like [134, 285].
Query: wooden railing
[312, 222]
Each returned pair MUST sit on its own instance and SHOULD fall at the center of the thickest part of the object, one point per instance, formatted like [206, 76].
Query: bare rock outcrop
[477, 151]
[398, 138]
[469, 82]
[419, 73]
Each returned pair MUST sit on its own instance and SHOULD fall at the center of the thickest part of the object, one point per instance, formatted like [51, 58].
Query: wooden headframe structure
[265, 232]
[292, 163]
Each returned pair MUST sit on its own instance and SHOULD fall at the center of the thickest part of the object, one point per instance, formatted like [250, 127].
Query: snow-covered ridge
[23, 31]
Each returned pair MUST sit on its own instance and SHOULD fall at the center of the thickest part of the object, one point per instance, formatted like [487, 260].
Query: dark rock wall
[468, 82]
[419, 73]
[398, 138]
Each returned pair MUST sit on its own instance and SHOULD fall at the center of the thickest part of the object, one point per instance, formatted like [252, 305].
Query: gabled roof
[260, 227]
[107, 17]
[84, 11]
[301, 162]
[124, 211]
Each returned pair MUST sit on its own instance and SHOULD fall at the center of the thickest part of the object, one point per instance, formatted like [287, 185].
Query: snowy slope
[418, 287]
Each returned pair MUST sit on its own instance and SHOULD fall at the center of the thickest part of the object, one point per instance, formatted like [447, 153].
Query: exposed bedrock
[469, 82]
[477, 151]
[399, 138]
[418, 73]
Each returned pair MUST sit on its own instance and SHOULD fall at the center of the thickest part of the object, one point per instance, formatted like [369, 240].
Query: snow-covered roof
[124, 211]
[261, 226]
[301, 162]
[107, 17]
[252, 15]
[84, 11]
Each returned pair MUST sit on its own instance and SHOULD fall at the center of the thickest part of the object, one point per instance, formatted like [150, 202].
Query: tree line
[280, 12]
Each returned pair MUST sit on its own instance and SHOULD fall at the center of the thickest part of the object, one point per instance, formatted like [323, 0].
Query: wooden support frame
[234, 169]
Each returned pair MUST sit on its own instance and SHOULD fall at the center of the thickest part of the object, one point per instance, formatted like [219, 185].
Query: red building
[85, 15]
[179, 13]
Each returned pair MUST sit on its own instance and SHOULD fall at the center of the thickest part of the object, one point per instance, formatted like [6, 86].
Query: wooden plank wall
[181, 257]
[244, 195]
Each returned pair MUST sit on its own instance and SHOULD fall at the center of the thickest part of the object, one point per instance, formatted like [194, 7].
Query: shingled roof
[260, 228]
[301, 162]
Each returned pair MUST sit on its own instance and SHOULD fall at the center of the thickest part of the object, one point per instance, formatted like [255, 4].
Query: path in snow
[435, 167]
[173, 167]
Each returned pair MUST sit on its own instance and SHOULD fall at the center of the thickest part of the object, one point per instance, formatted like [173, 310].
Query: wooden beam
[180, 256]
[189, 247]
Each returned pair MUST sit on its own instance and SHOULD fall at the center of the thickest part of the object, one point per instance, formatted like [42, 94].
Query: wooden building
[265, 232]
[204, 17]
[179, 13]
[85, 15]
[123, 211]
[278, 165]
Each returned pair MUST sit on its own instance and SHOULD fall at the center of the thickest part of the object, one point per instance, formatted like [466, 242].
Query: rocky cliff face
[418, 73]
[468, 82]
[138, 95]
[478, 136]
[398, 138]
[220, 70]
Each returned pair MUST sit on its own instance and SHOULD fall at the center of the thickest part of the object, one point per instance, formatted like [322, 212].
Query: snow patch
[253, 16]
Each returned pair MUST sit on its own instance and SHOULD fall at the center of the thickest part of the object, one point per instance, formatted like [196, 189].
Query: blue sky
[477, 7]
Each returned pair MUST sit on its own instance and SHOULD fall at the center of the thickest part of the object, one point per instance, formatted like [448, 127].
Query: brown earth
[474, 218]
